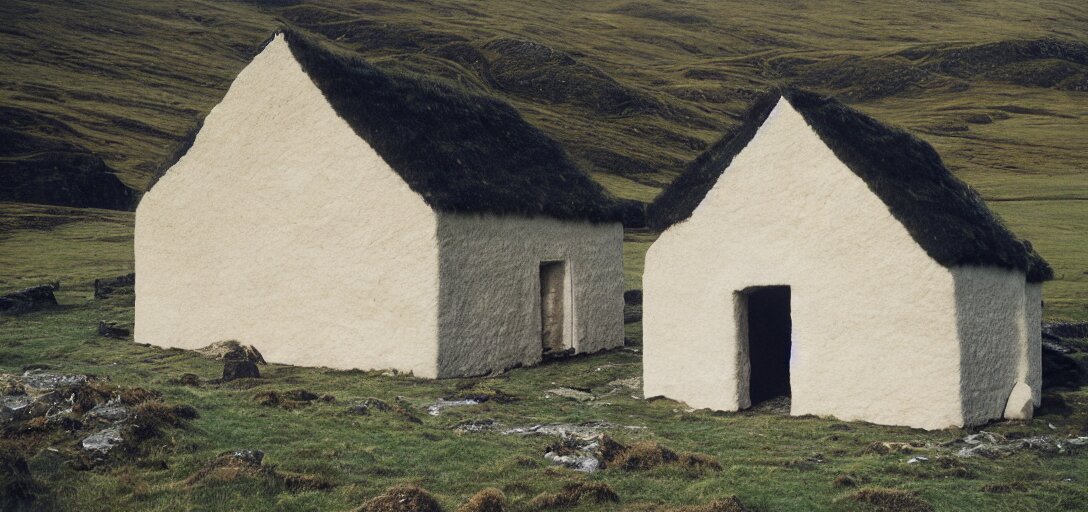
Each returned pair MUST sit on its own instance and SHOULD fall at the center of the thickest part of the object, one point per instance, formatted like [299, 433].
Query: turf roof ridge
[944, 215]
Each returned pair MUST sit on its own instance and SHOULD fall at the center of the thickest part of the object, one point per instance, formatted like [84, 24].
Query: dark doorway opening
[769, 342]
[552, 305]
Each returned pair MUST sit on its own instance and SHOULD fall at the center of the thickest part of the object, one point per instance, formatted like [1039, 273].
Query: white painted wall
[283, 229]
[874, 327]
[490, 288]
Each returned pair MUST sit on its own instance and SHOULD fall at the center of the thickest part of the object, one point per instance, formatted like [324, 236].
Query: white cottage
[332, 214]
[818, 253]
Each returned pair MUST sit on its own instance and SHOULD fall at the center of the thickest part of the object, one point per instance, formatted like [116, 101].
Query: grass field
[633, 90]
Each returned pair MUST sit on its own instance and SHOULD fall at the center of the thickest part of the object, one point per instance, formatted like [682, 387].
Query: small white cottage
[332, 214]
[820, 254]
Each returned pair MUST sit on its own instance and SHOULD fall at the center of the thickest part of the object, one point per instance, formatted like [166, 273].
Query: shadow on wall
[993, 336]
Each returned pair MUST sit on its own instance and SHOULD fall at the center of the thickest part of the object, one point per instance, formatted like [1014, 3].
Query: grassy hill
[632, 90]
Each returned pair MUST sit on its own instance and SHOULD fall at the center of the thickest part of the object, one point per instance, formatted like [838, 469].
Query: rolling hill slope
[631, 89]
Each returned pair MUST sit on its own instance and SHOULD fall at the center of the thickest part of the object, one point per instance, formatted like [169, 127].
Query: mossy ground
[770, 462]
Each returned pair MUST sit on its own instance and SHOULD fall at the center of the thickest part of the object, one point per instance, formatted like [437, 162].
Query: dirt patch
[487, 500]
[892, 500]
[402, 498]
[573, 493]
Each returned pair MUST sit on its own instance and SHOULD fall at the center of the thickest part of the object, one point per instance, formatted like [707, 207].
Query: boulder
[231, 349]
[236, 369]
[30, 299]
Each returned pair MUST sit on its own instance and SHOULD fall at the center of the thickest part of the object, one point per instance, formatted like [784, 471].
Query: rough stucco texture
[490, 289]
[283, 229]
[876, 335]
[994, 309]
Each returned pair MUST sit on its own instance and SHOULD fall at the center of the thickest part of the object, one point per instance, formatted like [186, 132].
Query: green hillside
[632, 89]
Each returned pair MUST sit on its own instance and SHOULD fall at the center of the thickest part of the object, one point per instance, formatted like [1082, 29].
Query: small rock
[573, 394]
[370, 404]
[475, 425]
[231, 349]
[246, 457]
[918, 459]
[239, 370]
[113, 411]
[103, 440]
[631, 382]
[111, 330]
[41, 381]
[582, 463]
[437, 408]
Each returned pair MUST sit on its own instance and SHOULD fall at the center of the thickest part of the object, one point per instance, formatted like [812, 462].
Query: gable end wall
[281, 228]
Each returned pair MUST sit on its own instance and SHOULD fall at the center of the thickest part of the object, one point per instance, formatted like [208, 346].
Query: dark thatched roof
[945, 216]
[463, 153]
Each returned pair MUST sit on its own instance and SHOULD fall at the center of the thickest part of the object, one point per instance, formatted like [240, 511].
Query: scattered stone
[475, 425]
[487, 500]
[634, 383]
[436, 408]
[111, 330]
[45, 381]
[370, 404]
[231, 350]
[892, 500]
[112, 411]
[103, 288]
[917, 460]
[402, 498]
[886, 447]
[584, 464]
[103, 441]
[586, 430]
[245, 456]
[30, 299]
[574, 492]
[991, 445]
[573, 394]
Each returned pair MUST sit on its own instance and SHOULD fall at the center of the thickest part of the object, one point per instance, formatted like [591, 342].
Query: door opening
[769, 341]
[553, 295]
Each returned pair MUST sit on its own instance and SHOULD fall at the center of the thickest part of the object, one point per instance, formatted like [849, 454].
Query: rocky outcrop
[30, 299]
